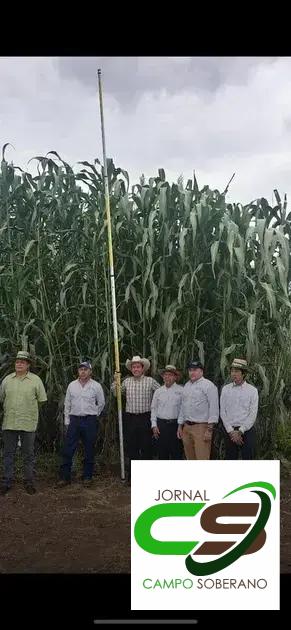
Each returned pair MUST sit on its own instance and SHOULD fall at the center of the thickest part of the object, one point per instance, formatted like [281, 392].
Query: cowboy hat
[240, 364]
[137, 359]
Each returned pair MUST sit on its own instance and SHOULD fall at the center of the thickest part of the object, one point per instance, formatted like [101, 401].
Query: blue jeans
[84, 428]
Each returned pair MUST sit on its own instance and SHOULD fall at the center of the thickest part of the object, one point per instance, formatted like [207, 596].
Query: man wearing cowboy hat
[238, 411]
[84, 403]
[165, 410]
[138, 390]
[199, 413]
[21, 393]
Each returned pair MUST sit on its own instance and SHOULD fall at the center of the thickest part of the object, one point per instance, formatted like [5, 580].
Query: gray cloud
[127, 78]
[214, 115]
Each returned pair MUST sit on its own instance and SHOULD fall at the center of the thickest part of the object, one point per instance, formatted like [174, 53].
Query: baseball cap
[86, 364]
[192, 365]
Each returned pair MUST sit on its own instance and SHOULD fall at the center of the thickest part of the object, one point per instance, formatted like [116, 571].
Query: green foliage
[195, 276]
[283, 441]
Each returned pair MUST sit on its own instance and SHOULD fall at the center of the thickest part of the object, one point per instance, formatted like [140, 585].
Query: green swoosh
[256, 484]
[213, 566]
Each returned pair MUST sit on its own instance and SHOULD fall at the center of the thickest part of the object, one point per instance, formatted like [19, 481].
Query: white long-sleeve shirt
[199, 402]
[239, 406]
[166, 403]
[87, 400]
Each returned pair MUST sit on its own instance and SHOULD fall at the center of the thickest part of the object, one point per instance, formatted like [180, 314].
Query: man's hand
[156, 432]
[208, 435]
[180, 432]
[121, 380]
[240, 438]
[236, 437]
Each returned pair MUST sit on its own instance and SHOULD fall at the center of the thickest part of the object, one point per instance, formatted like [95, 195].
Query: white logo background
[216, 479]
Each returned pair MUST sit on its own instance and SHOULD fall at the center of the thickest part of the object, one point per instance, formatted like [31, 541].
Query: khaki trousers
[194, 445]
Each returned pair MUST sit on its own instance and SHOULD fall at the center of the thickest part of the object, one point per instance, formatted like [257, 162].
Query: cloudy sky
[216, 115]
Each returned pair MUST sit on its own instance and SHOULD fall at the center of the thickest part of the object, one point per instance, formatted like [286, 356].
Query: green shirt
[20, 398]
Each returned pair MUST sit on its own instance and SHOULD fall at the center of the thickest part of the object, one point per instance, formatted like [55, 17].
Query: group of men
[179, 420]
[21, 393]
[183, 418]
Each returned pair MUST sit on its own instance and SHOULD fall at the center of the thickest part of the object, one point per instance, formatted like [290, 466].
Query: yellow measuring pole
[112, 283]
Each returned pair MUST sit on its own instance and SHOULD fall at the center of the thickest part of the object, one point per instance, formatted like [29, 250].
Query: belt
[167, 420]
[189, 422]
[138, 413]
[85, 415]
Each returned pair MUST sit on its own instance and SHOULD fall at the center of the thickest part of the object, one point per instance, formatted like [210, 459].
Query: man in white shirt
[199, 413]
[165, 409]
[84, 403]
[238, 411]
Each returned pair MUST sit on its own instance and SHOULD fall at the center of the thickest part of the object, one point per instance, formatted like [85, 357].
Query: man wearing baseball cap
[84, 403]
[21, 392]
[238, 411]
[199, 413]
[165, 409]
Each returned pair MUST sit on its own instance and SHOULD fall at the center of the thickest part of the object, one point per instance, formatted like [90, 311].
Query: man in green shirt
[21, 393]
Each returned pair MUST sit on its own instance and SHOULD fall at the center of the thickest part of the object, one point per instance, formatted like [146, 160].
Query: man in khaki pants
[199, 413]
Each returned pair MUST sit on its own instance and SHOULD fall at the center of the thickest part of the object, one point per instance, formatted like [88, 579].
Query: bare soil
[83, 530]
[285, 519]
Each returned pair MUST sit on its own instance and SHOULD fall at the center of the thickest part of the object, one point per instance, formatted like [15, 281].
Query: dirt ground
[285, 519]
[81, 530]
[68, 530]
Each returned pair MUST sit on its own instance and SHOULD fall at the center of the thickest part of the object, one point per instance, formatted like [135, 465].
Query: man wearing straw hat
[238, 411]
[139, 390]
[21, 393]
[165, 410]
[199, 413]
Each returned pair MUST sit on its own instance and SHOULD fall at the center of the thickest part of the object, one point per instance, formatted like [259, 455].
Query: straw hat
[240, 364]
[23, 355]
[170, 368]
